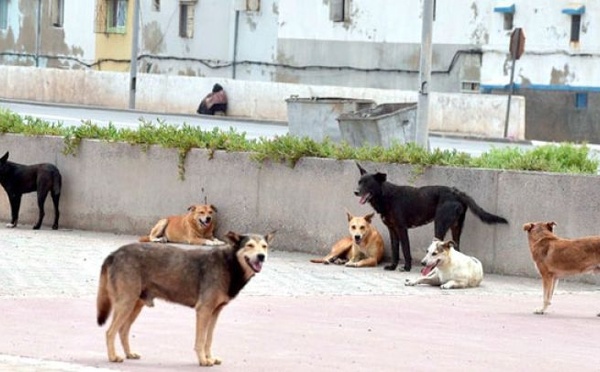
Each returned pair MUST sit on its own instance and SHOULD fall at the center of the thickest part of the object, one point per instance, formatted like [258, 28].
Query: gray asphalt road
[293, 316]
[71, 115]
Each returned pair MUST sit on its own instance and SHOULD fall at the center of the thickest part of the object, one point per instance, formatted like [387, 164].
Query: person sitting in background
[214, 102]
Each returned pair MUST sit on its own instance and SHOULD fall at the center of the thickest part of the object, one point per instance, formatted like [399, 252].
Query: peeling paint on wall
[153, 38]
[524, 80]
[251, 23]
[475, 10]
[275, 8]
[558, 77]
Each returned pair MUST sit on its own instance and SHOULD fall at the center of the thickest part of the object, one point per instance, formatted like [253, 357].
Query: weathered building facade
[352, 43]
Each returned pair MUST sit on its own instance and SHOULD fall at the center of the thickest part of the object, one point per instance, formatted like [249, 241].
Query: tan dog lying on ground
[448, 268]
[363, 248]
[556, 257]
[195, 227]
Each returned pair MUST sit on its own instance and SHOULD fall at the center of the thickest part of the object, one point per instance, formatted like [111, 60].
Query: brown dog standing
[363, 248]
[557, 258]
[203, 279]
[195, 227]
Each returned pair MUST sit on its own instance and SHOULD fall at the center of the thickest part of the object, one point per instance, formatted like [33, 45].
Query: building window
[156, 5]
[508, 12]
[339, 10]
[116, 16]
[469, 86]
[581, 100]
[186, 20]
[575, 11]
[575, 27]
[57, 13]
[3, 14]
[508, 21]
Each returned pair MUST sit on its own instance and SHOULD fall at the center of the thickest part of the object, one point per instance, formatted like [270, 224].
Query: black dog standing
[19, 179]
[404, 207]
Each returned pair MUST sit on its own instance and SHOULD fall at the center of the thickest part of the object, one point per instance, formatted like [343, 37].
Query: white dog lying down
[448, 268]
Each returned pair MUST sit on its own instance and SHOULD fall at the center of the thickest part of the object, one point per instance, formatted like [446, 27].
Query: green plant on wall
[562, 158]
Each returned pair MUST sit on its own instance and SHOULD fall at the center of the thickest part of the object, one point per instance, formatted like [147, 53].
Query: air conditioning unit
[247, 5]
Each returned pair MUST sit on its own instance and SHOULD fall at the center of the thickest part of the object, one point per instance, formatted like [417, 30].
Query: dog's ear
[369, 217]
[528, 226]
[270, 236]
[551, 225]
[191, 208]
[450, 244]
[349, 215]
[4, 158]
[361, 169]
[234, 238]
[380, 177]
[213, 207]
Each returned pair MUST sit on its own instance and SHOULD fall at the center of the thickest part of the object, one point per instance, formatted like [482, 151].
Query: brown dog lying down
[363, 248]
[556, 257]
[195, 227]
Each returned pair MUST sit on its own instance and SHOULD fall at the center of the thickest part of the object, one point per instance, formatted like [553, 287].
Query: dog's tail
[144, 239]
[103, 303]
[484, 216]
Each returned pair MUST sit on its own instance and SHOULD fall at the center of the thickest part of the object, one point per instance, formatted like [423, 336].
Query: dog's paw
[446, 286]
[219, 242]
[11, 225]
[213, 242]
[162, 239]
[115, 359]
[133, 356]
[209, 362]
[351, 264]
[540, 311]
[409, 282]
[390, 267]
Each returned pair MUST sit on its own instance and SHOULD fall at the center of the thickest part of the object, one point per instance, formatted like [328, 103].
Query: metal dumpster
[382, 125]
[315, 117]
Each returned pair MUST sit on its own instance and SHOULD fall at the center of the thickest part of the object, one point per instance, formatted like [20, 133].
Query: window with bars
[3, 14]
[57, 13]
[186, 19]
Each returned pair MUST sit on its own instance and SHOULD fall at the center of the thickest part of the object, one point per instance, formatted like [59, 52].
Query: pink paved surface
[294, 316]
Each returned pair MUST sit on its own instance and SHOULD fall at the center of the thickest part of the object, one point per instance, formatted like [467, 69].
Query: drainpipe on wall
[422, 127]
[235, 43]
[38, 33]
[134, 53]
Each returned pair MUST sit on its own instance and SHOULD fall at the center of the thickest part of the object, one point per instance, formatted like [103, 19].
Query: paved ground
[294, 316]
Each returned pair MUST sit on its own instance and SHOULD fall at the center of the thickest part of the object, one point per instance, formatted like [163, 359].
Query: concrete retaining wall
[118, 187]
[463, 114]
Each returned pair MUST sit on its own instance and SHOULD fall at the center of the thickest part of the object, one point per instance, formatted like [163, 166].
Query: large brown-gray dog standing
[556, 257]
[205, 279]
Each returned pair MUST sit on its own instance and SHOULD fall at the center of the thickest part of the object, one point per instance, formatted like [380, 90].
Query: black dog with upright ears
[19, 179]
[404, 207]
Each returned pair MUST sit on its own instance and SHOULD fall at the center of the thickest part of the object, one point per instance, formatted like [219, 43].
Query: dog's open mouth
[205, 224]
[365, 198]
[427, 269]
[255, 264]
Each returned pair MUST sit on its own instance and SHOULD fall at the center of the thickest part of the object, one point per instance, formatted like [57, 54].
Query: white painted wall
[549, 59]
[79, 28]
